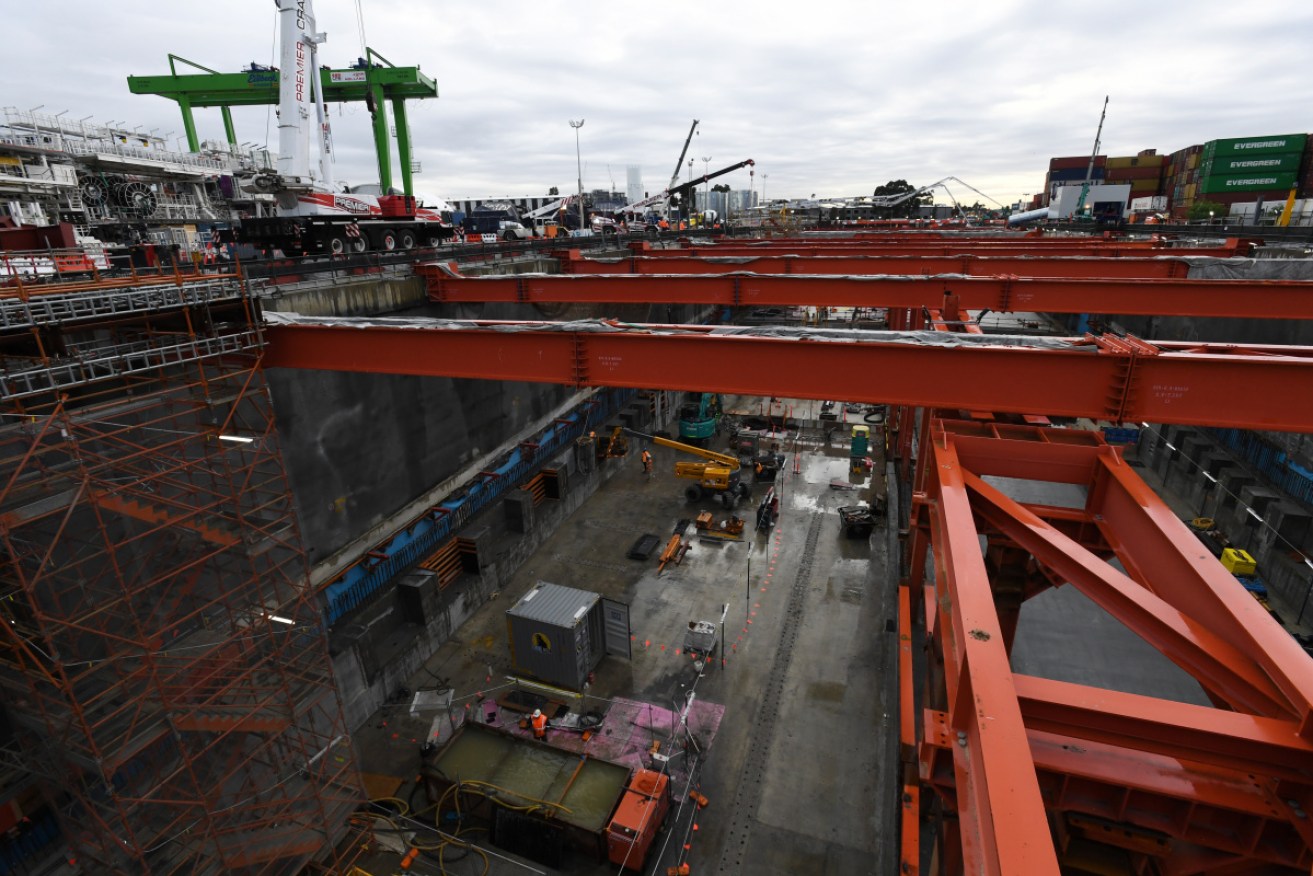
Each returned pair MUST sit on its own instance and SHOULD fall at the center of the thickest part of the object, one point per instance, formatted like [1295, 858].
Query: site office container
[1271, 144]
[1248, 182]
[1232, 165]
[556, 634]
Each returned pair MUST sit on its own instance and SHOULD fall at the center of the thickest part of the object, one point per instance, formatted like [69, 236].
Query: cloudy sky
[832, 98]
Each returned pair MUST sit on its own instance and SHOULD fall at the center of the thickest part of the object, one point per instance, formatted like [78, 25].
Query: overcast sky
[831, 98]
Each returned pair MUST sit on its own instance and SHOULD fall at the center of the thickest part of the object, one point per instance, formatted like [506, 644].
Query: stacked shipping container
[1245, 169]
[1228, 171]
[1143, 172]
[1072, 170]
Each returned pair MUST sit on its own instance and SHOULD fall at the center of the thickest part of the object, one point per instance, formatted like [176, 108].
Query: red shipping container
[1125, 173]
[1076, 161]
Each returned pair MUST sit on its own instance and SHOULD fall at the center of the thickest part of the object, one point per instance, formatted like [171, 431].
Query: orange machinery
[637, 819]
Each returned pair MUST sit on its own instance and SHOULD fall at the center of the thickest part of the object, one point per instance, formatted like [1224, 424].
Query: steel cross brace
[1201, 789]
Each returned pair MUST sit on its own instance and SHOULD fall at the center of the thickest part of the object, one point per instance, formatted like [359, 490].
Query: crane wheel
[743, 490]
[335, 246]
[729, 500]
[692, 492]
[406, 240]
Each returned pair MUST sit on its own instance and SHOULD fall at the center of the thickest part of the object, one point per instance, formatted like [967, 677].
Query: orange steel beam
[679, 262]
[1003, 823]
[1011, 248]
[1225, 785]
[1107, 378]
[1203, 807]
[1238, 299]
[1244, 743]
[1219, 667]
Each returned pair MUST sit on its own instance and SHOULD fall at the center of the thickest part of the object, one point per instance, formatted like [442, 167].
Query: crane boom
[681, 190]
[674, 177]
[730, 462]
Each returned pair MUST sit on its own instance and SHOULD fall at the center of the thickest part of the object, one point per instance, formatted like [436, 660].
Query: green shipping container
[1247, 182]
[1249, 164]
[1274, 144]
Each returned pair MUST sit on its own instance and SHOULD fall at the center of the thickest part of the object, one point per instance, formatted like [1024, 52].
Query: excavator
[720, 473]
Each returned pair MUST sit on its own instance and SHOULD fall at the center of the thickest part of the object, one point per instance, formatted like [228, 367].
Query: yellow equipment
[719, 474]
[616, 445]
[1238, 562]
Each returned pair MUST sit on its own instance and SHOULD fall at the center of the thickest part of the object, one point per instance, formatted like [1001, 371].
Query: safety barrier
[421, 536]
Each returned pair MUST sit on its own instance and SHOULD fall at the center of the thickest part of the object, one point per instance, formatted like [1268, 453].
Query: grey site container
[556, 634]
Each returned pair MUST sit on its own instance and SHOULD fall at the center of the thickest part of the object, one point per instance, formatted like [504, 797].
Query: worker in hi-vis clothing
[647, 463]
[539, 722]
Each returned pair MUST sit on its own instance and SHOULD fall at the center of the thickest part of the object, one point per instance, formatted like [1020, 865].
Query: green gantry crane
[373, 82]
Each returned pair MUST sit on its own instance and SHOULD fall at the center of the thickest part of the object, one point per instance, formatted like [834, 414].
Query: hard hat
[537, 713]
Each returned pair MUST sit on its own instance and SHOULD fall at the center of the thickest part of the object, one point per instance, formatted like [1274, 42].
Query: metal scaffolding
[162, 659]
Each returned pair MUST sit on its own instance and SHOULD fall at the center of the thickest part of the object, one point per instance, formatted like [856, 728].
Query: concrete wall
[1241, 331]
[1252, 515]
[382, 645]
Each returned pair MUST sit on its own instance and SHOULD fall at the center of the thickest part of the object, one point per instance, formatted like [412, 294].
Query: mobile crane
[677, 193]
[313, 217]
[720, 473]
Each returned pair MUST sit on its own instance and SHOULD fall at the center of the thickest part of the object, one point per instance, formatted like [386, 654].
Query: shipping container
[1155, 161]
[1075, 161]
[1226, 199]
[1238, 164]
[1192, 161]
[1141, 186]
[1128, 173]
[1190, 190]
[1249, 182]
[1074, 174]
[1272, 144]
[559, 634]
[1152, 202]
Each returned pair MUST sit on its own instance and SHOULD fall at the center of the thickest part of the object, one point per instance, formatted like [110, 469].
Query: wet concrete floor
[798, 768]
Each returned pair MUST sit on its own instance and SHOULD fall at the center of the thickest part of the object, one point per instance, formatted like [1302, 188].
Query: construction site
[761, 527]
[347, 534]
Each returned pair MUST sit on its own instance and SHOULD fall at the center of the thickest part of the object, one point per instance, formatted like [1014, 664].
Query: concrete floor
[804, 704]
[797, 734]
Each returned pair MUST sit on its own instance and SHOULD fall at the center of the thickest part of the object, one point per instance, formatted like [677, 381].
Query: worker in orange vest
[647, 463]
[539, 722]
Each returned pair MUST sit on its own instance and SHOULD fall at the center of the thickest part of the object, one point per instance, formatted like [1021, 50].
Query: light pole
[580, 168]
[706, 183]
[764, 202]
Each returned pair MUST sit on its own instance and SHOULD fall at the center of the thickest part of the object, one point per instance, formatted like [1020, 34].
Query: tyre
[406, 240]
[357, 244]
[729, 500]
[508, 236]
[692, 492]
[387, 240]
[335, 245]
[743, 490]
[435, 241]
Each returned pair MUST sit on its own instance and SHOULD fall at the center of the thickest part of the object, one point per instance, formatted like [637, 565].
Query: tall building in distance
[634, 183]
